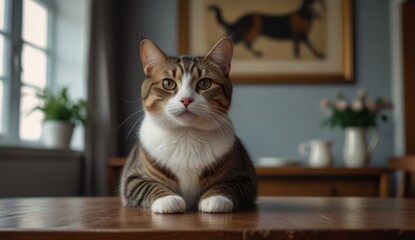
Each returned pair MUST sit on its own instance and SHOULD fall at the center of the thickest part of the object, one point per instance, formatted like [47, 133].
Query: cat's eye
[169, 84]
[204, 84]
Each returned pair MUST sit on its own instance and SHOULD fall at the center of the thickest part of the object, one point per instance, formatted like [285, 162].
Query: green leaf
[60, 107]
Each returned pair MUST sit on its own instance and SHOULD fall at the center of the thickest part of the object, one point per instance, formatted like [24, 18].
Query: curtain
[101, 128]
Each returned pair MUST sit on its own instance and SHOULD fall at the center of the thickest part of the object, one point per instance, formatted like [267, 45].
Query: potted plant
[61, 114]
[356, 117]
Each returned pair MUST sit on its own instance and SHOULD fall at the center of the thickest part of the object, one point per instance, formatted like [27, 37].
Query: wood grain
[408, 35]
[406, 182]
[272, 218]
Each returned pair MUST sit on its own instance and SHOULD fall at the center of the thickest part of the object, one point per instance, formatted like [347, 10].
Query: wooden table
[303, 181]
[273, 218]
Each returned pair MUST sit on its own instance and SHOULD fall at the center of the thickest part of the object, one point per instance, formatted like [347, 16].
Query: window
[34, 59]
[24, 68]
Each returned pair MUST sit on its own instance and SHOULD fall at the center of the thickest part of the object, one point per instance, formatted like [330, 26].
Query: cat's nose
[186, 101]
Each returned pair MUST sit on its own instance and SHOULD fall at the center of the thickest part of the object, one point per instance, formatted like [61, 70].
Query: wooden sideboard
[335, 181]
[303, 181]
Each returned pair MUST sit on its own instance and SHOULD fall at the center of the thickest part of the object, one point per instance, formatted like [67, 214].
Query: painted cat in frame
[276, 41]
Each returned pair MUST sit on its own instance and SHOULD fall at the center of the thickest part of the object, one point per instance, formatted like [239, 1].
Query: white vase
[356, 151]
[318, 152]
[57, 134]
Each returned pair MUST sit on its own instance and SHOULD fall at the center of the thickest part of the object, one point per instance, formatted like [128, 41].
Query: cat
[187, 156]
[293, 26]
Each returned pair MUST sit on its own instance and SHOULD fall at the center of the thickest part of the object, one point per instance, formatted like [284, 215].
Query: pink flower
[341, 104]
[371, 105]
[357, 105]
[325, 103]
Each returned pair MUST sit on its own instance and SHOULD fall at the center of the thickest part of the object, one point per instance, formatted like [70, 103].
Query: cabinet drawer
[319, 186]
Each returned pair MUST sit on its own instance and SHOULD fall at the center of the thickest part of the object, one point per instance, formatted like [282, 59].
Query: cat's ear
[151, 55]
[222, 53]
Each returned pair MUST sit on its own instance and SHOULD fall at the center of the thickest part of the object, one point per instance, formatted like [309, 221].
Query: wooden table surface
[273, 218]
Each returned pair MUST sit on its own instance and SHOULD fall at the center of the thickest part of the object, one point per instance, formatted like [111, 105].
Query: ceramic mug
[318, 152]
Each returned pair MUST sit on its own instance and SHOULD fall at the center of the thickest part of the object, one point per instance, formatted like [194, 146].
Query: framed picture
[275, 41]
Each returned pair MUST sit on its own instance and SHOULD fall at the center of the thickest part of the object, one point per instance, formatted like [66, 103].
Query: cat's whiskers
[161, 117]
[137, 121]
[130, 101]
[212, 116]
[210, 120]
[222, 116]
[139, 111]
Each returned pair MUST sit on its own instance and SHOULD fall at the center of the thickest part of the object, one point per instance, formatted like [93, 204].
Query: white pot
[57, 134]
[356, 151]
[318, 152]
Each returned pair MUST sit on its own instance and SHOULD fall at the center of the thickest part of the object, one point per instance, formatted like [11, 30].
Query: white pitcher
[318, 152]
[356, 152]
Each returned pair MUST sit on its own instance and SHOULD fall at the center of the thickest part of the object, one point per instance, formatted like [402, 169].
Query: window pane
[2, 15]
[30, 124]
[1, 107]
[34, 66]
[1, 55]
[35, 23]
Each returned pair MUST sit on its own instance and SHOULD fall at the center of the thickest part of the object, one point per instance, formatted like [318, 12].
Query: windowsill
[38, 152]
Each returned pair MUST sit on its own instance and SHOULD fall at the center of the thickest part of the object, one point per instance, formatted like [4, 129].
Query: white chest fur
[186, 152]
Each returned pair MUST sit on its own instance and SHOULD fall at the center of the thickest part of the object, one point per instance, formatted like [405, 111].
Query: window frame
[5, 33]
[13, 66]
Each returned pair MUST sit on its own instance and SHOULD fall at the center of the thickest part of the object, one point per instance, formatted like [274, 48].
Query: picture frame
[198, 32]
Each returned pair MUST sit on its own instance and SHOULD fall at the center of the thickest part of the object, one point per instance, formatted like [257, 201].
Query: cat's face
[187, 91]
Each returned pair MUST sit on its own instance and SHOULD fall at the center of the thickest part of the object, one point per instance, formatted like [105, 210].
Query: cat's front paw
[216, 204]
[169, 204]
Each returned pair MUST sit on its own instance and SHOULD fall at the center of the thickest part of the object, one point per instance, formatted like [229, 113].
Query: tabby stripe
[216, 167]
[199, 72]
[181, 68]
[158, 194]
[148, 90]
[132, 190]
[130, 180]
[142, 194]
[156, 170]
[174, 72]
[234, 189]
[150, 191]
[238, 193]
[224, 91]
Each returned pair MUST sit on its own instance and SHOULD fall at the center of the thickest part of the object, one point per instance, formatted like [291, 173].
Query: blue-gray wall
[273, 119]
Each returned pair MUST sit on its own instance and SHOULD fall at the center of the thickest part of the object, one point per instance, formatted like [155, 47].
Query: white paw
[169, 204]
[216, 204]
